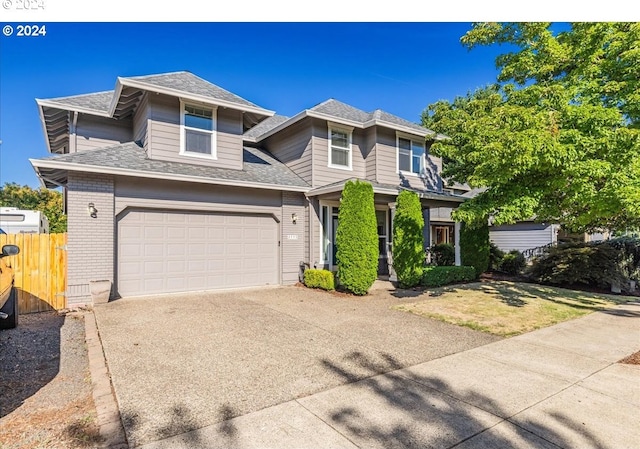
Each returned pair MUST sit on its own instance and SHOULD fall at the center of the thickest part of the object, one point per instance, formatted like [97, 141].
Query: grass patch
[508, 308]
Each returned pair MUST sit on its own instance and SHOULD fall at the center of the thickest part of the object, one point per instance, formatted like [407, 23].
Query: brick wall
[293, 235]
[90, 242]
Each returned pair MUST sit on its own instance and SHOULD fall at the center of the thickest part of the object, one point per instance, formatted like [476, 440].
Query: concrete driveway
[183, 362]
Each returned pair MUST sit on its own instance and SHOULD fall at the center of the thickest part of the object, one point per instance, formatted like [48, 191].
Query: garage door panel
[161, 252]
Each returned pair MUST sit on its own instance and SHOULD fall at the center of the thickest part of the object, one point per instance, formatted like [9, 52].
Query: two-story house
[174, 184]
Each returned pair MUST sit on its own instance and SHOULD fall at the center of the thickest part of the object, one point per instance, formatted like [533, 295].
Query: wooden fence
[40, 270]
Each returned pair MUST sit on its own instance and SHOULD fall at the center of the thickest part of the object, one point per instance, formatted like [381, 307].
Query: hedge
[598, 264]
[512, 263]
[357, 238]
[474, 246]
[438, 276]
[443, 255]
[323, 279]
[408, 241]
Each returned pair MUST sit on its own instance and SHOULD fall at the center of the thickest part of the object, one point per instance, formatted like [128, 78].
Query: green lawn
[507, 308]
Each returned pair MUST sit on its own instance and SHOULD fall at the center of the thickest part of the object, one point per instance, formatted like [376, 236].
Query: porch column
[456, 247]
[392, 273]
[426, 233]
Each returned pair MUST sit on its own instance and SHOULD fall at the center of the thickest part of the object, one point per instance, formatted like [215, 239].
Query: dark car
[8, 295]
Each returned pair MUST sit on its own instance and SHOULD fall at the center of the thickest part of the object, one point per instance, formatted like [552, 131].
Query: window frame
[412, 140]
[349, 132]
[184, 128]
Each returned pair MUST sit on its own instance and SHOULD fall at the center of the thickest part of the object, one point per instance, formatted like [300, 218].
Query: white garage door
[170, 251]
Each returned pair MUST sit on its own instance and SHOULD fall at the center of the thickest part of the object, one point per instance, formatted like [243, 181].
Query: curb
[108, 414]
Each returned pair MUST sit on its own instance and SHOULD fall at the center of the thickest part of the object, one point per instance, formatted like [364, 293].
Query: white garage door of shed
[163, 252]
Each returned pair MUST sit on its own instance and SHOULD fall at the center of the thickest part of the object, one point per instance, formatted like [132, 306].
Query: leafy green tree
[44, 200]
[475, 246]
[357, 238]
[558, 136]
[408, 241]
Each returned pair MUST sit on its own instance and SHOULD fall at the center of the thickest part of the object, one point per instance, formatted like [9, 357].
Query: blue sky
[285, 67]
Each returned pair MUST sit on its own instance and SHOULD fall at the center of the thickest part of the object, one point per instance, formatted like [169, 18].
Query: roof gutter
[54, 165]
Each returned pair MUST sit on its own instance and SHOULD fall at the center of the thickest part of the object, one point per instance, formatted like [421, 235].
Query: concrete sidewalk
[555, 387]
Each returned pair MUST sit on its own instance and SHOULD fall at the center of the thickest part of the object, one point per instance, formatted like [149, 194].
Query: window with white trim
[339, 148]
[198, 136]
[411, 155]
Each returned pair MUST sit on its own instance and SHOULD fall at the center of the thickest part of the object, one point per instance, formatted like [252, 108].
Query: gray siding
[97, 132]
[370, 137]
[386, 157]
[293, 235]
[521, 236]
[441, 214]
[386, 165]
[164, 135]
[322, 173]
[292, 147]
[130, 192]
[90, 240]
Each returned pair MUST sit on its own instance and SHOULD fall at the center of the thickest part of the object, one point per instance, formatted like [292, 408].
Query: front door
[381, 218]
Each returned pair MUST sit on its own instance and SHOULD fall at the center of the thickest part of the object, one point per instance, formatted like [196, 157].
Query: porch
[323, 223]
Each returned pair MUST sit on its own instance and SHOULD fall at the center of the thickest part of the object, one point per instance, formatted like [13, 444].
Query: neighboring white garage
[523, 236]
[177, 251]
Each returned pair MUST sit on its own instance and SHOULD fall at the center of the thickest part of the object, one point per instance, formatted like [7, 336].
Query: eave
[56, 171]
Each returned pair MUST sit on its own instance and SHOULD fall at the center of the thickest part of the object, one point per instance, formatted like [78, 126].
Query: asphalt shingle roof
[265, 126]
[258, 167]
[341, 111]
[180, 81]
[98, 101]
[189, 83]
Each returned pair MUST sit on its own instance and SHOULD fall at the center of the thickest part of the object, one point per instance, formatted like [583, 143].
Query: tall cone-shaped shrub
[475, 246]
[408, 241]
[357, 238]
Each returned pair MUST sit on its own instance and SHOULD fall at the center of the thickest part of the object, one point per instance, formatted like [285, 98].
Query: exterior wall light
[93, 212]
[294, 218]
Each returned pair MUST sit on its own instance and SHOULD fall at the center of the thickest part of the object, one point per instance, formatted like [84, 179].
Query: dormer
[177, 117]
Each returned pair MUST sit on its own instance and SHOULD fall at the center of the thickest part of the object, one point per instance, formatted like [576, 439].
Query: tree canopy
[44, 200]
[557, 137]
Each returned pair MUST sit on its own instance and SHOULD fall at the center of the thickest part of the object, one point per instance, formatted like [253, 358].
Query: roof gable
[187, 83]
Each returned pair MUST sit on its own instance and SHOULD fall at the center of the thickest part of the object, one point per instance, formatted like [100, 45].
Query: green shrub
[595, 264]
[495, 256]
[443, 255]
[474, 246]
[438, 276]
[323, 279]
[513, 262]
[628, 255]
[408, 241]
[357, 238]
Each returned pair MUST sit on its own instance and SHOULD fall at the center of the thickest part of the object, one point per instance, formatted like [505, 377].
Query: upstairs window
[198, 131]
[339, 148]
[410, 155]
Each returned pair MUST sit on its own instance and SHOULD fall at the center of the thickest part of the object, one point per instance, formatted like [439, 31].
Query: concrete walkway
[555, 387]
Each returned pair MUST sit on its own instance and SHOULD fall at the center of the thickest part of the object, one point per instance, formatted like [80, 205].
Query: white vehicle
[16, 221]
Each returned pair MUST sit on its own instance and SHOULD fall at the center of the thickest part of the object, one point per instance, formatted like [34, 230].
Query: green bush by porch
[408, 242]
[323, 279]
[357, 238]
[474, 246]
[439, 276]
[443, 254]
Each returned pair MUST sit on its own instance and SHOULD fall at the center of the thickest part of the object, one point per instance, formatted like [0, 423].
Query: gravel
[45, 386]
